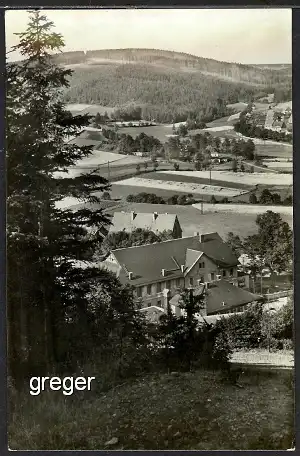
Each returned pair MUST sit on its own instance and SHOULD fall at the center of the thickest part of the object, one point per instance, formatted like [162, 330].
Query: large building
[157, 271]
[157, 223]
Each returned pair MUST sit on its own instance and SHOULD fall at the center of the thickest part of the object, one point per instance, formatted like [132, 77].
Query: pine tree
[46, 287]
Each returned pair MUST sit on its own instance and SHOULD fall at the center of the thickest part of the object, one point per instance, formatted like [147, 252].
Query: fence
[278, 294]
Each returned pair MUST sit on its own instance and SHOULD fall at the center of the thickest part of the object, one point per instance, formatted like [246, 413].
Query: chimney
[182, 267]
[130, 275]
[155, 215]
[163, 272]
[133, 214]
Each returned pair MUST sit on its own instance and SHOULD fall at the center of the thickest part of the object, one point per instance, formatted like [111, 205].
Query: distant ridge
[168, 85]
[142, 53]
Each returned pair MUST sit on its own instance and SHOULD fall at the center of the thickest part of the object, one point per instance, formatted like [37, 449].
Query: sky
[250, 36]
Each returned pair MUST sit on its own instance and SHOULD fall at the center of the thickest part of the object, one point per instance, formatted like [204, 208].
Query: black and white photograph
[149, 169]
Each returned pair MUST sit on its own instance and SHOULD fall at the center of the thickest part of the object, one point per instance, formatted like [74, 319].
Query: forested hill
[167, 83]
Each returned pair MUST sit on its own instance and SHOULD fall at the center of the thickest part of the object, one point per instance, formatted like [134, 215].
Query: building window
[212, 275]
[158, 287]
[224, 273]
[159, 303]
[231, 271]
[201, 279]
[139, 292]
[149, 289]
[191, 281]
[177, 282]
[168, 284]
[202, 265]
[149, 304]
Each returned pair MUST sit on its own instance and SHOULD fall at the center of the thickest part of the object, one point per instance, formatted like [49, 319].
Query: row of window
[192, 282]
[159, 287]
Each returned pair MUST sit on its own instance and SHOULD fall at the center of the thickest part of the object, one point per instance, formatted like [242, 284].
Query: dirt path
[264, 358]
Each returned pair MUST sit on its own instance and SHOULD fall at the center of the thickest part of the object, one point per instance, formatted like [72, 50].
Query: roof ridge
[154, 243]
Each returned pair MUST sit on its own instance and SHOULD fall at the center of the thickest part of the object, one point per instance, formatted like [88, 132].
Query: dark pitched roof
[147, 261]
[220, 292]
[130, 221]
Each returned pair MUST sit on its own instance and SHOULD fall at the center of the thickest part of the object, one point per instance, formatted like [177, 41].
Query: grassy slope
[178, 411]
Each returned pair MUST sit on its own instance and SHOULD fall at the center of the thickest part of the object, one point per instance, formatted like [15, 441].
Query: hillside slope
[186, 411]
[167, 85]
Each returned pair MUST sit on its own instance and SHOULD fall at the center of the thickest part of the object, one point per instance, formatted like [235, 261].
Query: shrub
[252, 199]
[243, 330]
[106, 195]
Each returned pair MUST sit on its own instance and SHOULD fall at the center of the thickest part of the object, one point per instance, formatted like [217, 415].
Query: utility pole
[202, 207]
[108, 171]
[210, 176]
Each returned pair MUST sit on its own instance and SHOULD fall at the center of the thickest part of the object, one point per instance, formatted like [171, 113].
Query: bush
[243, 330]
[144, 197]
[252, 199]
[106, 195]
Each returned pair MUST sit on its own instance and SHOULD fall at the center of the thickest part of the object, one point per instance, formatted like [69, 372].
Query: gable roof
[130, 221]
[147, 261]
[219, 292]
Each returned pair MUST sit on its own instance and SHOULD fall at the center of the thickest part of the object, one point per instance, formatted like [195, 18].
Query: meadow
[286, 211]
[183, 411]
[172, 176]
[247, 178]
[160, 132]
[188, 187]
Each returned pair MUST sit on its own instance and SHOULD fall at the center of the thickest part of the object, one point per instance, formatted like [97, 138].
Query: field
[224, 132]
[171, 176]
[195, 189]
[222, 122]
[178, 411]
[118, 164]
[158, 131]
[285, 211]
[122, 191]
[237, 106]
[279, 166]
[247, 178]
[274, 150]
